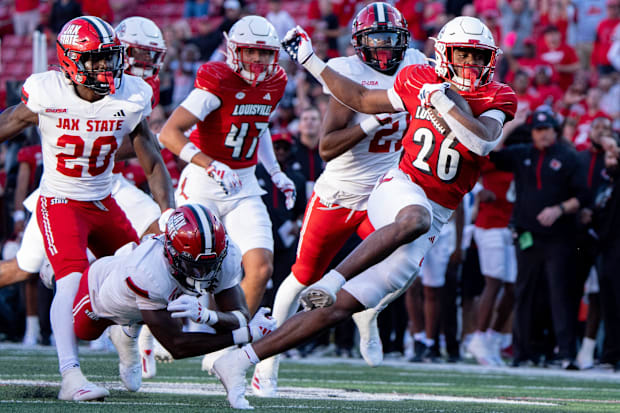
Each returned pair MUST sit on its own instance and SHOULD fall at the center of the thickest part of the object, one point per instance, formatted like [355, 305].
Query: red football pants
[69, 227]
[324, 232]
[86, 324]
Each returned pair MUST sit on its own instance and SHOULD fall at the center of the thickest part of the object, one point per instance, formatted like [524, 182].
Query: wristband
[369, 125]
[240, 317]
[241, 335]
[211, 317]
[188, 152]
[562, 209]
[441, 102]
[315, 66]
[19, 215]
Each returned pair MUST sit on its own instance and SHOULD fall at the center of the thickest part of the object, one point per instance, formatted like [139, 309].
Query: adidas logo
[119, 114]
[267, 97]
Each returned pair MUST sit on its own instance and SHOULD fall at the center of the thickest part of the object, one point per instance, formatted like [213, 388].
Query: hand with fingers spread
[225, 177]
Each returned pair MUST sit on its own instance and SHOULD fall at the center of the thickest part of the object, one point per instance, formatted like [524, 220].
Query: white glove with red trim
[427, 91]
[286, 186]
[225, 177]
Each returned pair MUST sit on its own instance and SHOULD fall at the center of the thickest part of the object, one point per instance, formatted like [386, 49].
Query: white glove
[163, 219]
[225, 177]
[298, 45]
[189, 307]
[262, 324]
[286, 186]
[427, 91]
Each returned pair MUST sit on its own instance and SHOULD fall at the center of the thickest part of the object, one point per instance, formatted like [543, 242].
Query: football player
[230, 106]
[83, 113]
[157, 282]
[433, 175]
[358, 149]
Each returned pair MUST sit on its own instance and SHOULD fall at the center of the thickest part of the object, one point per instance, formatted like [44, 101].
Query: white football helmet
[464, 32]
[144, 46]
[252, 32]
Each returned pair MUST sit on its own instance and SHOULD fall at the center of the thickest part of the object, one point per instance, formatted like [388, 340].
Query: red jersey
[230, 133]
[33, 157]
[444, 167]
[495, 214]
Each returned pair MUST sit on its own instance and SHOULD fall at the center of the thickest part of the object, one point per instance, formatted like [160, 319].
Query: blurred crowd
[561, 57]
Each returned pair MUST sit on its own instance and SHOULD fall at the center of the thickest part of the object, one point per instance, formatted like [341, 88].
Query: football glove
[427, 91]
[225, 177]
[261, 324]
[190, 307]
[297, 45]
[163, 219]
[286, 186]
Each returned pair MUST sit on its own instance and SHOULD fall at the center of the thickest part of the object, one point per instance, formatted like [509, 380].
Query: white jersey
[137, 278]
[79, 138]
[349, 178]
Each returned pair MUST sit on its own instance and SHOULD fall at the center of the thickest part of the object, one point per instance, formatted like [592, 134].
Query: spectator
[307, 160]
[196, 8]
[562, 57]
[593, 111]
[589, 15]
[280, 19]
[549, 190]
[99, 8]
[62, 12]
[325, 23]
[609, 238]
[285, 223]
[517, 18]
[185, 70]
[209, 40]
[26, 17]
[609, 85]
[614, 51]
[604, 34]
[545, 91]
[592, 161]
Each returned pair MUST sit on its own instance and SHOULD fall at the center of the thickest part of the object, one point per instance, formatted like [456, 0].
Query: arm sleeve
[266, 155]
[200, 103]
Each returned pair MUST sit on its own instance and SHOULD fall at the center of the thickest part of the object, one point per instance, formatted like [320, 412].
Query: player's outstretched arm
[147, 151]
[15, 119]
[298, 45]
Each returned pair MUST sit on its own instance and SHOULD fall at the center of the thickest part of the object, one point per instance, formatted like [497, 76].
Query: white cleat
[129, 366]
[75, 387]
[230, 369]
[209, 359]
[371, 347]
[161, 354]
[480, 350]
[264, 385]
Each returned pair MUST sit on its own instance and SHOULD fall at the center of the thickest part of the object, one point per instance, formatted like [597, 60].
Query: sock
[587, 346]
[494, 336]
[146, 339]
[61, 316]
[32, 326]
[506, 340]
[249, 351]
[429, 342]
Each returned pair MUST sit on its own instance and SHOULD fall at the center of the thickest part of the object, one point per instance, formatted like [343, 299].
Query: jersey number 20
[78, 152]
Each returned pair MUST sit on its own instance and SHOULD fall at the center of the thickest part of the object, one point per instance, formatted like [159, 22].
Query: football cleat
[371, 347]
[75, 387]
[264, 385]
[479, 348]
[129, 366]
[230, 369]
[147, 353]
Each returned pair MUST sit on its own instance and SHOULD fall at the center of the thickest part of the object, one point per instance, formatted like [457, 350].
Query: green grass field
[29, 383]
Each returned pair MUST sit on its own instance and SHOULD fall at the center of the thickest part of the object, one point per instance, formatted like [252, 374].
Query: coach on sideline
[550, 187]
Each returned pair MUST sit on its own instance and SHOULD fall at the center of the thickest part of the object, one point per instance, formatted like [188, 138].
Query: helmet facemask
[472, 76]
[195, 276]
[252, 72]
[99, 70]
[383, 50]
[143, 61]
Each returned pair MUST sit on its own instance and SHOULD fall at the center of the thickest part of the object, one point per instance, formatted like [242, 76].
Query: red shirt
[444, 167]
[33, 157]
[603, 42]
[495, 214]
[22, 6]
[581, 140]
[230, 133]
[563, 55]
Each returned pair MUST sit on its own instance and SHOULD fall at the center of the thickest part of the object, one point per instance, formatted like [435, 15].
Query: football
[438, 121]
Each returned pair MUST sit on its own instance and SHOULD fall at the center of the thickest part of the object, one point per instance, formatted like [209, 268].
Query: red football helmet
[380, 36]
[196, 245]
[90, 54]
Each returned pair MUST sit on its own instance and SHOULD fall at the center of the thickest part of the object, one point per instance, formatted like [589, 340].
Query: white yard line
[206, 389]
